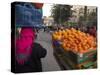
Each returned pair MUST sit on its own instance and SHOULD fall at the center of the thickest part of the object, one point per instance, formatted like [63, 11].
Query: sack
[27, 15]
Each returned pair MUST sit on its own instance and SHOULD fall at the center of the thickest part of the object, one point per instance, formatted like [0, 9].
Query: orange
[75, 40]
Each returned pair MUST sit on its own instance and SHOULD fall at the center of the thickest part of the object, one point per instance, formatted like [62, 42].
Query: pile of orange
[75, 40]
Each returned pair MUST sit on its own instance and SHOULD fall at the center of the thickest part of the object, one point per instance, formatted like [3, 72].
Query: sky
[46, 9]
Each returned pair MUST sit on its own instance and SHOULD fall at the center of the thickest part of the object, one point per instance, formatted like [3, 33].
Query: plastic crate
[56, 43]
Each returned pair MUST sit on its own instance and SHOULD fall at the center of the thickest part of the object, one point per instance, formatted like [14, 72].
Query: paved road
[48, 63]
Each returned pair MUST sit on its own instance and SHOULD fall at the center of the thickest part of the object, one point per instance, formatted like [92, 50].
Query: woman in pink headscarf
[28, 53]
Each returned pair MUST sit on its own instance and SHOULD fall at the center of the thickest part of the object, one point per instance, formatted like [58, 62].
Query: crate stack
[68, 59]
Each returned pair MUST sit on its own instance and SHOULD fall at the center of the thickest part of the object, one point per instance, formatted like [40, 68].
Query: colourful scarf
[24, 45]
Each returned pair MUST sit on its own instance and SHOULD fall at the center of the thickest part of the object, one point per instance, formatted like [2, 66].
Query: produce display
[75, 40]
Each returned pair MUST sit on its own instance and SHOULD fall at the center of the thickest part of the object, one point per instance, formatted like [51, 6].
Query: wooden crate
[80, 58]
[67, 64]
[76, 57]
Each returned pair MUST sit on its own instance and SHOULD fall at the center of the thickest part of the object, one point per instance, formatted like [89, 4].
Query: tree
[55, 13]
[85, 13]
[89, 16]
[92, 17]
[61, 13]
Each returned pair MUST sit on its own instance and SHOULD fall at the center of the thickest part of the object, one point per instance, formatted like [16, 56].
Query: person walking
[28, 53]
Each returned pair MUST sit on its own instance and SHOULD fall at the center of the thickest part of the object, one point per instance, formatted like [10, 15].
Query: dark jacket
[34, 63]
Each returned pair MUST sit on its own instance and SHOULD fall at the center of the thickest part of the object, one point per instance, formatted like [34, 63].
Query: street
[48, 63]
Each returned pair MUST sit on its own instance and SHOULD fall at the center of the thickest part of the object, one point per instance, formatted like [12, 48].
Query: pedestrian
[93, 31]
[28, 53]
[44, 28]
